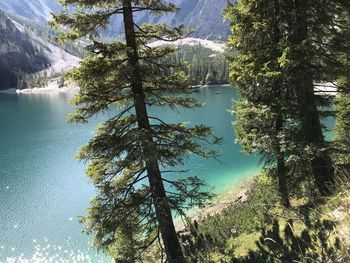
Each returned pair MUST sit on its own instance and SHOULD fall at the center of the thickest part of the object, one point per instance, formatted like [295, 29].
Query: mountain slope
[205, 16]
[24, 52]
[17, 54]
[35, 10]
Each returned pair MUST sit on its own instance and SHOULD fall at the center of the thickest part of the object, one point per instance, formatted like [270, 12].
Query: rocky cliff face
[205, 16]
[207, 19]
[17, 54]
[35, 10]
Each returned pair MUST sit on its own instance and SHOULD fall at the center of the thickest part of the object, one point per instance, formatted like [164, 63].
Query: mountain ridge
[204, 16]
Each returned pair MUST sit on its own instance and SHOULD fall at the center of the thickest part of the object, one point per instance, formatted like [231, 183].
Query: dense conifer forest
[202, 65]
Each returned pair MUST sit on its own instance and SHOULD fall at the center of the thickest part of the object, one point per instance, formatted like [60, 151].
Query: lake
[43, 188]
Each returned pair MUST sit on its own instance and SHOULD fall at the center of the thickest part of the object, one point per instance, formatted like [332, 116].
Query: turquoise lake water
[43, 189]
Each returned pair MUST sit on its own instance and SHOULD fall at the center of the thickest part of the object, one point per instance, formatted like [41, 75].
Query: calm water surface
[43, 189]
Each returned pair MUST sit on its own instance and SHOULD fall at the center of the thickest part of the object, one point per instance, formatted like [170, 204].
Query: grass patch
[243, 243]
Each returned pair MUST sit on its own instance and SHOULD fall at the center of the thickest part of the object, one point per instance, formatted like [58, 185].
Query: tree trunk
[280, 157]
[281, 167]
[166, 225]
[321, 164]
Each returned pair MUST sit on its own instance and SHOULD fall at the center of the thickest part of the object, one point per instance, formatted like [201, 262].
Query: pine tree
[285, 49]
[209, 78]
[342, 130]
[303, 71]
[133, 154]
[263, 115]
[341, 50]
[316, 243]
[321, 46]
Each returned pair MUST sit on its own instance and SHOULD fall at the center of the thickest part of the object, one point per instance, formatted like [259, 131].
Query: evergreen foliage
[246, 217]
[284, 48]
[241, 217]
[133, 155]
[198, 247]
[306, 238]
[35, 80]
[202, 65]
[342, 128]
[341, 48]
[316, 243]
[264, 120]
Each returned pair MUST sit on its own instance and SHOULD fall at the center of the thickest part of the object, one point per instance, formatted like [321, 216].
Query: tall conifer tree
[303, 72]
[262, 113]
[341, 50]
[285, 49]
[132, 155]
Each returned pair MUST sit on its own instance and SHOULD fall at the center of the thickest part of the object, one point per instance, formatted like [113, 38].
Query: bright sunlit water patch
[45, 252]
[42, 187]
